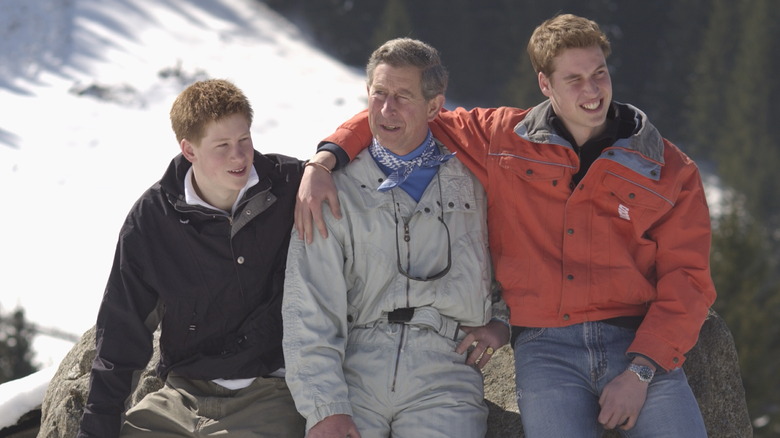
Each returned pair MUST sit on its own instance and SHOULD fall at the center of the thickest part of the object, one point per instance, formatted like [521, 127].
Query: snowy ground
[85, 89]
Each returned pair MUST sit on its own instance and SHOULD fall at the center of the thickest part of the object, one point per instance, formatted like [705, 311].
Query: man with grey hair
[387, 321]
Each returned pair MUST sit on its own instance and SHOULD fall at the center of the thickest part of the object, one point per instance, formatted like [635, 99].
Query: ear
[187, 150]
[544, 84]
[434, 106]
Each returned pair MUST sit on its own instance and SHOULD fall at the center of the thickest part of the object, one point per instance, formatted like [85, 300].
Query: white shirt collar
[191, 196]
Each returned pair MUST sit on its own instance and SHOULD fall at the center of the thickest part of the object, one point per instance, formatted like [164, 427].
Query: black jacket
[213, 281]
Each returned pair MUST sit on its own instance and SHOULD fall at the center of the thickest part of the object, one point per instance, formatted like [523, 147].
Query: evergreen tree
[679, 37]
[712, 67]
[741, 264]
[393, 23]
[747, 142]
[15, 347]
[522, 89]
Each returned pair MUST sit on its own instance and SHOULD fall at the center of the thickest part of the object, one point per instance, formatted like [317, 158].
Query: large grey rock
[713, 372]
[67, 393]
[712, 368]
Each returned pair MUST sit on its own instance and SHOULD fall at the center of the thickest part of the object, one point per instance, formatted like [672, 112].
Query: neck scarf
[402, 169]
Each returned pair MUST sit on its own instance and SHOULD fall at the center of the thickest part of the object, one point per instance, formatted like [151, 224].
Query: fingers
[315, 216]
[480, 354]
[304, 204]
[482, 343]
[333, 202]
[467, 342]
[484, 356]
[302, 219]
[628, 424]
[624, 422]
[621, 401]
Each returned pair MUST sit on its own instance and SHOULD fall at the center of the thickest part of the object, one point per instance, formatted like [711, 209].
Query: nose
[237, 152]
[593, 86]
[389, 105]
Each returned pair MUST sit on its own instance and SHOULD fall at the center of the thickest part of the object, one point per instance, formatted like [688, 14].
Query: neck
[221, 202]
[403, 151]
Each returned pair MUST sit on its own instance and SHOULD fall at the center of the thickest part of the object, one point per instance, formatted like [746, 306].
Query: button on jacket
[631, 239]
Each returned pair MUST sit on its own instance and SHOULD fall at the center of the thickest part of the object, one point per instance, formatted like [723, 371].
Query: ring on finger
[489, 350]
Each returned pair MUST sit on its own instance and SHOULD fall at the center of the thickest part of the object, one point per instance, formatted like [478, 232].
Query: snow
[20, 396]
[85, 90]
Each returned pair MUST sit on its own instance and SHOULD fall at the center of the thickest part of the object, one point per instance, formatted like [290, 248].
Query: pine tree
[15, 347]
[704, 114]
[748, 302]
[746, 143]
[394, 23]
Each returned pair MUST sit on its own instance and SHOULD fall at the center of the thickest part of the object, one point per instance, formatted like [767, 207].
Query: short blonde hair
[203, 102]
[562, 32]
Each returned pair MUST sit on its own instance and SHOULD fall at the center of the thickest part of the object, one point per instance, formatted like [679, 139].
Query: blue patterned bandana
[403, 169]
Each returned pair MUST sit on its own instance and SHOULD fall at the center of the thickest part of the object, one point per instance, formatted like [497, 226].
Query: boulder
[712, 368]
[67, 393]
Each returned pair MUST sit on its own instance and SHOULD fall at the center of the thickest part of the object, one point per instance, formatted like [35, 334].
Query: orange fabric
[619, 244]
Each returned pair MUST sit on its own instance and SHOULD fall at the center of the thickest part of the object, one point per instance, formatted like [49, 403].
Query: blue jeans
[560, 373]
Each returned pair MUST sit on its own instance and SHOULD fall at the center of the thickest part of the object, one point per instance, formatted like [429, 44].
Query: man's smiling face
[222, 159]
[580, 90]
[397, 111]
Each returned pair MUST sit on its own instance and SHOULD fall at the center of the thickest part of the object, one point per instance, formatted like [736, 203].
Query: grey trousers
[197, 408]
[408, 382]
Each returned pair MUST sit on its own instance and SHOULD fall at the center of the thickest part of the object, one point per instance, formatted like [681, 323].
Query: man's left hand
[621, 401]
[486, 340]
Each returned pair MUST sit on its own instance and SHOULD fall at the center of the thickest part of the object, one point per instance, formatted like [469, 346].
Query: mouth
[592, 106]
[238, 172]
[390, 127]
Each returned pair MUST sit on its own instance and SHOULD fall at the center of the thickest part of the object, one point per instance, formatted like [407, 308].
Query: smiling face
[221, 161]
[580, 90]
[397, 111]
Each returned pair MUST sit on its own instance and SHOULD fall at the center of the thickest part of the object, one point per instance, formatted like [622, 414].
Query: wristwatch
[644, 373]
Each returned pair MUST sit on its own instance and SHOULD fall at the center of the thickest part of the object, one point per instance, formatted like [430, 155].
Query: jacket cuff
[326, 411]
[657, 350]
[342, 158]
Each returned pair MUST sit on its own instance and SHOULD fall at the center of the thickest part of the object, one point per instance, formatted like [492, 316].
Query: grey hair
[403, 52]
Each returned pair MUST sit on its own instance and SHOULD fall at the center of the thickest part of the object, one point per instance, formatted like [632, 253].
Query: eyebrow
[602, 66]
[401, 92]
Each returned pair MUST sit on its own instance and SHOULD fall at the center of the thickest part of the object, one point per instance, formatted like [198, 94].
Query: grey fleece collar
[646, 139]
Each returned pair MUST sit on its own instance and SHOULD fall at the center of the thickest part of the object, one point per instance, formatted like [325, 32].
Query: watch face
[645, 373]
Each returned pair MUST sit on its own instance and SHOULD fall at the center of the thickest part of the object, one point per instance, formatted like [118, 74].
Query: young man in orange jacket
[600, 235]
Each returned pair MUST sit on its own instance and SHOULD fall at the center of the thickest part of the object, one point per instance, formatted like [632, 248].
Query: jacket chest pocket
[634, 202]
[458, 194]
[528, 170]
